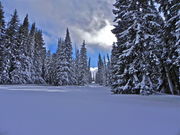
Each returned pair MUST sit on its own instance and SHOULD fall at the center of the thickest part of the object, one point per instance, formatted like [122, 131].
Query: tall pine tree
[89, 72]
[39, 57]
[2, 44]
[11, 62]
[83, 65]
[100, 73]
[137, 31]
[65, 73]
[23, 68]
[170, 56]
[78, 67]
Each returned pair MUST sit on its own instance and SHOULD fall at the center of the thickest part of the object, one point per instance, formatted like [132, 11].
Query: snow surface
[90, 110]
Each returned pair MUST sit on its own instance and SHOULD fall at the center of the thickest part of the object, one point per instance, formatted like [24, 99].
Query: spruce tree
[39, 57]
[2, 44]
[53, 70]
[68, 54]
[100, 72]
[23, 69]
[48, 67]
[137, 31]
[83, 65]
[177, 62]
[108, 71]
[65, 73]
[23, 35]
[104, 71]
[62, 66]
[31, 43]
[116, 67]
[170, 54]
[78, 67]
[11, 62]
[89, 72]
[31, 54]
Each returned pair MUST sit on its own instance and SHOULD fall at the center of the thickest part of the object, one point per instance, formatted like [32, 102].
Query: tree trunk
[171, 87]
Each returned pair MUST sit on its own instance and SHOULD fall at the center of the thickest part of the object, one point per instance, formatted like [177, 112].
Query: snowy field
[91, 110]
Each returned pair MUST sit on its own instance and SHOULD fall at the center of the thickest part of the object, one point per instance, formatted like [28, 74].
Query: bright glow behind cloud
[103, 36]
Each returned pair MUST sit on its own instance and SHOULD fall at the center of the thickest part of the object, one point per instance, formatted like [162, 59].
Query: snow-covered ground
[90, 110]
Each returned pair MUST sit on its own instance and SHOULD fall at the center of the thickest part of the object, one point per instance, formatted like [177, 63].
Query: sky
[89, 20]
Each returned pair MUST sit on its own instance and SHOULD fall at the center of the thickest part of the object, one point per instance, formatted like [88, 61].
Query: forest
[56, 79]
[25, 60]
[145, 59]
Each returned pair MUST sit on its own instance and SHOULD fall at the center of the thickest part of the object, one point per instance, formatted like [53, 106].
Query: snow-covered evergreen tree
[11, 61]
[61, 66]
[2, 44]
[65, 74]
[22, 70]
[83, 65]
[170, 57]
[100, 73]
[116, 67]
[53, 70]
[39, 57]
[177, 62]
[89, 72]
[77, 67]
[104, 71]
[22, 53]
[48, 67]
[108, 71]
[23, 35]
[31, 43]
[137, 31]
[30, 54]
[69, 58]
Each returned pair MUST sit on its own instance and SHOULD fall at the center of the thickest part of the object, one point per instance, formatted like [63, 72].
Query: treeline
[146, 57]
[25, 60]
[104, 75]
[62, 69]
